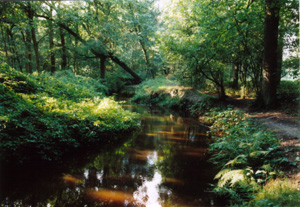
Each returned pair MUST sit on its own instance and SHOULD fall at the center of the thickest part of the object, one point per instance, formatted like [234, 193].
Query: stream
[164, 164]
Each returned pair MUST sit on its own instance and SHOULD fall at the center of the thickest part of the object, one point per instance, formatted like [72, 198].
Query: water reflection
[164, 165]
[148, 194]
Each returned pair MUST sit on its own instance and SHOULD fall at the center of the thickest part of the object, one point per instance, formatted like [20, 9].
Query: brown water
[165, 164]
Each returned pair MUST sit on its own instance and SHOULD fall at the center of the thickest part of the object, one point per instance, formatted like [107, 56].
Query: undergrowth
[277, 193]
[246, 155]
[168, 94]
[44, 116]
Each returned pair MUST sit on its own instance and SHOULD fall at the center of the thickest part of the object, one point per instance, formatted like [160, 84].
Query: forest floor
[284, 124]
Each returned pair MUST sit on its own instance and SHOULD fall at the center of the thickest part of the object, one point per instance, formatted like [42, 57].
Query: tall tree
[30, 13]
[51, 43]
[27, 40]
[270, 71]
[63, 49]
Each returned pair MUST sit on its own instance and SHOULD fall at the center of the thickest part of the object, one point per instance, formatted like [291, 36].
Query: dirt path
[286, 127]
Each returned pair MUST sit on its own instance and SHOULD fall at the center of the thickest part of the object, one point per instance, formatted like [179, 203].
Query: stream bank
[281, 158]
[164, 165]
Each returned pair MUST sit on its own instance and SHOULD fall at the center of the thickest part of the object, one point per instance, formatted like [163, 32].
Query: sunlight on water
[105, 195]
[71, 179]
[152, 158]
[163, 166]
[148, 194]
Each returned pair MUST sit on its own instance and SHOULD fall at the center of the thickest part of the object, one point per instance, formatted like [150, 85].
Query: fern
[231, 176]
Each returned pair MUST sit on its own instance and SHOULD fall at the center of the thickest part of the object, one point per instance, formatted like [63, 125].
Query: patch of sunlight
[71, 179]
[112, 197]
[152, 158]
[151, 135]
[105, 104]
[174, 181]
[148, 193]
[97, 123]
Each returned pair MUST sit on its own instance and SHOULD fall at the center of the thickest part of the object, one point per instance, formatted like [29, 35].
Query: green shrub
[289, 87]
[16, 80]
[151, 89]
[114, 83]
[247, 155]
[167, 93]
[65, 112]
[223, 121]
[67, 85]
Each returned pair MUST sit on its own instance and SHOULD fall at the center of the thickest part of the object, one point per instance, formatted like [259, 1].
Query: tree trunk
[235, 83]
[28, 64]
[63, 49]
[13, 47]
[98, 54]
[75, 63]
[30, 15]
[149, 68]
[270, 71]
[125, 67]
[36, 49]
[222, 95]
[279, 62]
[102, 66]
[5, 45]
[244, 81]
[51, 44]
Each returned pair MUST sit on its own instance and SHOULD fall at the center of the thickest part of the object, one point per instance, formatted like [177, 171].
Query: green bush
[289, 87]
[157, 92]
[64, 112]
[114, 83]
[223, 121]
[67, 85]
[247, 155]
[16, 80]
[167, 93]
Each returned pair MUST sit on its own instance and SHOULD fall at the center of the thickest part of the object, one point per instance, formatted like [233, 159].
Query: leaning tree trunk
[96, 53]
[270, 71]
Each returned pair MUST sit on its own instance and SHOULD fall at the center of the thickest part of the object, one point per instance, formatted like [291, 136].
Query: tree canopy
[222, 44]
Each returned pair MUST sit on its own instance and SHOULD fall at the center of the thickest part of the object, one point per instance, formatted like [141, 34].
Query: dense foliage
[168, 93]
[46, 115]
[226, 44]
[75, 52]
[247, 155]
[216, 49]
[89, 37]
[277, 193]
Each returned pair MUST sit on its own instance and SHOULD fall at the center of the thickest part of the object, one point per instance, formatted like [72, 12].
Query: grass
[277, 193]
